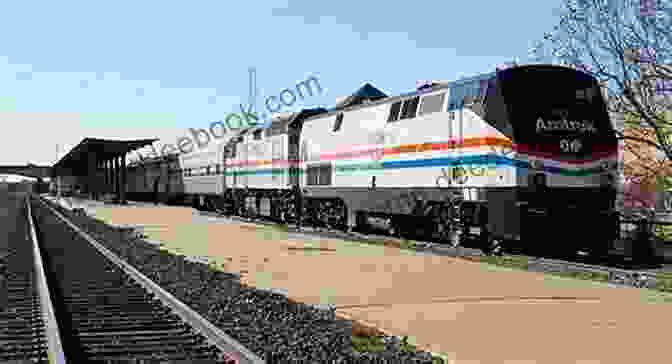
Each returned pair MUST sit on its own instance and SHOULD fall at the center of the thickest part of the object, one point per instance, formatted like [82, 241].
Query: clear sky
[141, 69]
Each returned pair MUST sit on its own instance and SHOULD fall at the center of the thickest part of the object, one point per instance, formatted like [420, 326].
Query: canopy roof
[103, 149]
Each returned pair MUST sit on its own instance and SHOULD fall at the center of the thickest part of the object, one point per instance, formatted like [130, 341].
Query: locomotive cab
[566, 152]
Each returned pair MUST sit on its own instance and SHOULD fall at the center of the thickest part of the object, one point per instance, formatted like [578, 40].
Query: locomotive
[521, 157]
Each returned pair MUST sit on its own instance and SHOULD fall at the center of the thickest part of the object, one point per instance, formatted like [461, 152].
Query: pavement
[469, 312]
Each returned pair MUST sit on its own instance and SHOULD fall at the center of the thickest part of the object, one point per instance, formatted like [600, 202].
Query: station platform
[469, 312]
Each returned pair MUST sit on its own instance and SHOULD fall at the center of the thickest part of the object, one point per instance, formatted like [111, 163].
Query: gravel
[269, 324]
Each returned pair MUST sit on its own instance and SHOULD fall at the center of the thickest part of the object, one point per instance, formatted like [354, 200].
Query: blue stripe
[474, 160]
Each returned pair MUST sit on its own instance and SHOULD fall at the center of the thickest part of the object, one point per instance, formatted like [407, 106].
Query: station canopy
[75, 162]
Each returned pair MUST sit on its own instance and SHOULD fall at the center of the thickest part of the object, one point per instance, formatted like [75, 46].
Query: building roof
[104, 149]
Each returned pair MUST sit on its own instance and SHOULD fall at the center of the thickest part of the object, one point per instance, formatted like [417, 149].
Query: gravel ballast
[271, 325]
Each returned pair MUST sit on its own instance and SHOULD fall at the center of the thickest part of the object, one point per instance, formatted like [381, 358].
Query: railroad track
[104, 310]
[23, 335]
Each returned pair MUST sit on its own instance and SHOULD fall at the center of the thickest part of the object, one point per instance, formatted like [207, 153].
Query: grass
[663, 284]
[375, 344]
[663, 232]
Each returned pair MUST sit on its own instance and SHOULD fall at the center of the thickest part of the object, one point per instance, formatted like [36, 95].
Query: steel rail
[54, 344]
[213, 334]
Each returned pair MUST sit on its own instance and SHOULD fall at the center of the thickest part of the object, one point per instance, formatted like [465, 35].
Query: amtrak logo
[565, 125]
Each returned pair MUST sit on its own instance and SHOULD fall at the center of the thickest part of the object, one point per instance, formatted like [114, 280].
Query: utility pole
[253, 88]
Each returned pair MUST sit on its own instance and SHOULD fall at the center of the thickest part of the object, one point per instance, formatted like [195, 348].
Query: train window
[217, 169]
[472, 91]
[324, 178]
[207, 170]
[432, 103]
[312, 175]
[394, 112]
[339, 122]
[319, 175]
[410, 107]
[257, 134]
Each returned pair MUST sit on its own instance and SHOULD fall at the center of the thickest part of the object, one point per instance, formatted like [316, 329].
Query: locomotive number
[573, 146]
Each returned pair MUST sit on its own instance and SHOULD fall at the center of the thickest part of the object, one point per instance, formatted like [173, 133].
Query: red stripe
[599, 152]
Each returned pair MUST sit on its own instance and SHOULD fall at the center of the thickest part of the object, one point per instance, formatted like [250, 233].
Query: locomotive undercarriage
[548, 228]
[281, 206]
[425, 214]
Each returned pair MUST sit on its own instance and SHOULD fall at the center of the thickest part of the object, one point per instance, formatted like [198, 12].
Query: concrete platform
[471, 312]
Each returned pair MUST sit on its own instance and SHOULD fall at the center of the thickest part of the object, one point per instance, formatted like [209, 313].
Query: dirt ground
[470, 312]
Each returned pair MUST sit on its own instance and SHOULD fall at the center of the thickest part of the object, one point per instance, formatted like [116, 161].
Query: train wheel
[393, 230]
[498, 247]
[361, 225]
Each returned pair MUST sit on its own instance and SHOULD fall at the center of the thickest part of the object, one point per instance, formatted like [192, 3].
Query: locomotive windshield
[557, 110]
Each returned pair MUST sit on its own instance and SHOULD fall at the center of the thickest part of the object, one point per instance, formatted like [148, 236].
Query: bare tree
[627, 46]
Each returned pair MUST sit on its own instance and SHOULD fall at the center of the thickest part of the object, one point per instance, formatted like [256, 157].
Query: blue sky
[127, 69]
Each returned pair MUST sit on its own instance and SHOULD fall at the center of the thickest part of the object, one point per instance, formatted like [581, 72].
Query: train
[523, 157]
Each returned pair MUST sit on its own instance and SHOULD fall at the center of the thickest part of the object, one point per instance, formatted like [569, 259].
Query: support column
[104, 171]
[115, 177]
[123, 179]
[110, 186]
[90, 178]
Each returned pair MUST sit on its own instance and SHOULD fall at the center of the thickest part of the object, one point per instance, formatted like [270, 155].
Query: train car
[164, 170]
[258, 169]
[528, 153]
[202, 175]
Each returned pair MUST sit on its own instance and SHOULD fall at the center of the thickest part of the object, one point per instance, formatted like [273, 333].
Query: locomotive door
[276, 158]
[242, 176]
[234, 165]
[295, 154]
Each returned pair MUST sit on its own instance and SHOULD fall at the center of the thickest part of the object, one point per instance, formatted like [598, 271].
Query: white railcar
[257, 166]
[203, 173]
